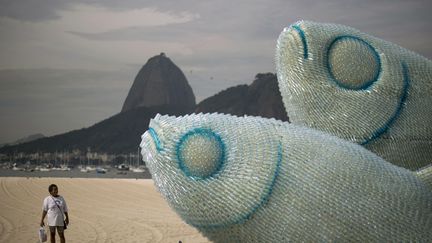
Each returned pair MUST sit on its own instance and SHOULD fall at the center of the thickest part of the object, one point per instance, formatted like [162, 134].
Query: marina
[88, 172]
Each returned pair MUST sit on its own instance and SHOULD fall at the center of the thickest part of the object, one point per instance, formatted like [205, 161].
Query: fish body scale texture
[281, 182]
[363, 89]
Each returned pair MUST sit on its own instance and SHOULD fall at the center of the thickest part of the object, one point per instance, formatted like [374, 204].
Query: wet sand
[100, 210]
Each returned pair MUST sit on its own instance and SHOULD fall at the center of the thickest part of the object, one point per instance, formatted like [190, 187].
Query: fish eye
[200, 153]
[353, 63]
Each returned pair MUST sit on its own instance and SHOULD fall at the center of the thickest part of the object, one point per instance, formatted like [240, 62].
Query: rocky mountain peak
[160, 83]
[261, 98]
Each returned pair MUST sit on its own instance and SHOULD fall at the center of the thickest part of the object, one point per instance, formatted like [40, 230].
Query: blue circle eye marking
[365, 84]
[155, 137]
[208, 166]
[380, 131]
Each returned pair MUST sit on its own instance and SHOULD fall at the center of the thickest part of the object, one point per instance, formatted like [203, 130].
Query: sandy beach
[100, 210]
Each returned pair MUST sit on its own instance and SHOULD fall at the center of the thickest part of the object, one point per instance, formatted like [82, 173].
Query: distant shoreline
[75, 173]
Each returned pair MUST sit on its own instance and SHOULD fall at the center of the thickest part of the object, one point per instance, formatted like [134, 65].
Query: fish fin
[425, 175]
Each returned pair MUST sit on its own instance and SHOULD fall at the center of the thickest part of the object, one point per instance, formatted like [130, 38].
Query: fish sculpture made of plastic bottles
[347, 169]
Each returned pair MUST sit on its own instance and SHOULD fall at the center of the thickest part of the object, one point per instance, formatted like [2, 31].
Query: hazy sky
[67, 64]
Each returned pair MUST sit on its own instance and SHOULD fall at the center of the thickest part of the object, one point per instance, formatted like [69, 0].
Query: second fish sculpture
[363, 89]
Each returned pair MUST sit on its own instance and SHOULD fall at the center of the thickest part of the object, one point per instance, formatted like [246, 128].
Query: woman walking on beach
[55, 207]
